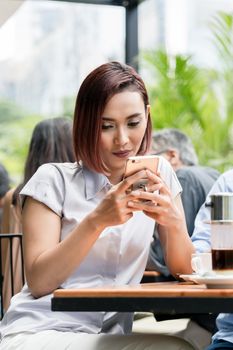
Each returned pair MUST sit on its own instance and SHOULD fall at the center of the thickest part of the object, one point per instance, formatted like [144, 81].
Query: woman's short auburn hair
[95, 92]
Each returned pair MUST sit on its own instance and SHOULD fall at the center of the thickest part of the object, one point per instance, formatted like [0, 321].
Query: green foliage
[15, 134]
[222, 30]
[68, 106]
[177, 89]
[198, 101]
[9, 111]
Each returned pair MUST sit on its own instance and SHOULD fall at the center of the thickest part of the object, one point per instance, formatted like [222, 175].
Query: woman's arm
[169, 215]
[49, 262]
[176, 243]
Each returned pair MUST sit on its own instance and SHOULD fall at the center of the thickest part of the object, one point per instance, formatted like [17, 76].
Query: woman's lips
[122, 154]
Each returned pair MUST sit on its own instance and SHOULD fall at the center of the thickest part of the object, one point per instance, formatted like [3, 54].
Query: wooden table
[162, 298]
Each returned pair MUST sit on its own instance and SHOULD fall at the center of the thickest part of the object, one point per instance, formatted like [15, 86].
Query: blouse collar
[94, 182]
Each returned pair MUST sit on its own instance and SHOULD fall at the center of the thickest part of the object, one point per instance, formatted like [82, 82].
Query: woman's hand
[156, 202]
[114, 208]
[169, 214]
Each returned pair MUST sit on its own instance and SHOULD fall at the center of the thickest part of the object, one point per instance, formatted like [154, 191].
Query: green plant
[9, 111]
[68, 104]
[198, 101]
[15, 133]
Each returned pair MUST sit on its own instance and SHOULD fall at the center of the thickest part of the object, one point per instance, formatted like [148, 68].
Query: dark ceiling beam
[131, 36]
[124, 3]
[131, 25]
[96, 2]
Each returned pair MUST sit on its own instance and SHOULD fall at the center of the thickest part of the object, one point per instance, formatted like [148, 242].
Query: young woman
[84, 228]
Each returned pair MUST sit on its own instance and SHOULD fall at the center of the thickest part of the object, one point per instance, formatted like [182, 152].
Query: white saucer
[212, 281]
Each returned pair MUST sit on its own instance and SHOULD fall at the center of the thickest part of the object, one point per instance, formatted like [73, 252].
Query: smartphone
[137, 163]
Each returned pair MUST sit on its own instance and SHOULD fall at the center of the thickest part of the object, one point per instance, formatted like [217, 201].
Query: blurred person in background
[196, 180]
[201, 238]
[51, 141]
[4, 187]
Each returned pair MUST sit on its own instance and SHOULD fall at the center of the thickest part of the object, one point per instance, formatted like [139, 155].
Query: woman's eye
[106, 126]
[133, 124]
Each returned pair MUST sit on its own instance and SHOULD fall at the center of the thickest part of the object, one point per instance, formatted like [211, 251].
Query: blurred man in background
[196, 180]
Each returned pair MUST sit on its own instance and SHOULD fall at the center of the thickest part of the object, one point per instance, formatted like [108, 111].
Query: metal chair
[12, 276]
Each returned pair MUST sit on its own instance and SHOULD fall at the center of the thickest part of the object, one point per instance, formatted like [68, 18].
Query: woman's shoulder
[49, 185]
[227, 176]
[49, 171]
[164, 165]
[224, 183]
[168, 175]
[64, 167]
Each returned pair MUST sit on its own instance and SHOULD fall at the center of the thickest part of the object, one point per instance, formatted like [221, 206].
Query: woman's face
[124, 122]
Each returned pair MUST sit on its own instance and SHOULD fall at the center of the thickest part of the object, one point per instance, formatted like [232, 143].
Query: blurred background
[185, 56]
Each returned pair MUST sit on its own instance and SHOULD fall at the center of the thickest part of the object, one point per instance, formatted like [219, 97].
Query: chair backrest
[11, 215]
[11, 267]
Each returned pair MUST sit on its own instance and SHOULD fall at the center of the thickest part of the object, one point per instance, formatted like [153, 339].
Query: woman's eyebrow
[130, 116]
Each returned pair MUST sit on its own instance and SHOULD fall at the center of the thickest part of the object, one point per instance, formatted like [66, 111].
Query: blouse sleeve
[47, 187]
[169, 177]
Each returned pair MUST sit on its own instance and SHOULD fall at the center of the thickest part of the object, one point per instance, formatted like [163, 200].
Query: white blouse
[118, 256]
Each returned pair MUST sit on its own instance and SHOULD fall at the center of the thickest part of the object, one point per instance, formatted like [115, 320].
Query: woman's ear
[174, 158]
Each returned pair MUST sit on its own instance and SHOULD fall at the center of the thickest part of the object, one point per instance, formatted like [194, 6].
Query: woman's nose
[121, 137]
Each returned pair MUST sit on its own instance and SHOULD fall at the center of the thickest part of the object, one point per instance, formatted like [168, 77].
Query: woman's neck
[115, 178]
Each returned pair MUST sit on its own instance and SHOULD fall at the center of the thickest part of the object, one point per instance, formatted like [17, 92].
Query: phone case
[137, 163]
